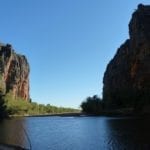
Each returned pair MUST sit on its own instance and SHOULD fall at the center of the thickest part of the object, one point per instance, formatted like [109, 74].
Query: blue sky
[68, 43]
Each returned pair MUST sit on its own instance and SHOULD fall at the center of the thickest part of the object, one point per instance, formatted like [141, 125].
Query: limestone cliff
[14, 73]
[127, 77]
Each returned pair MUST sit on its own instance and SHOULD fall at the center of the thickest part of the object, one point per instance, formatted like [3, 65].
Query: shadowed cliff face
[127, 77]
[14, 73]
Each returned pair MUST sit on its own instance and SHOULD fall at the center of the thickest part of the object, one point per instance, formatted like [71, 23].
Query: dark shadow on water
[129, 133]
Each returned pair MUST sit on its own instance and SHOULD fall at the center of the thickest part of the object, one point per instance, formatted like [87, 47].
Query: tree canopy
[92, 105]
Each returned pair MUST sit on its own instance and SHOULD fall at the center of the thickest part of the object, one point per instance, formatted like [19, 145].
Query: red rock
[14, 72]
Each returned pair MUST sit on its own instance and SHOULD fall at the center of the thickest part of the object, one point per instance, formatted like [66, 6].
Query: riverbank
[109, 113]
[78, 114]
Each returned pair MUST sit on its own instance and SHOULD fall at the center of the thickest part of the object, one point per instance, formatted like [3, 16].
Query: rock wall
[127, 77]
[14, 73]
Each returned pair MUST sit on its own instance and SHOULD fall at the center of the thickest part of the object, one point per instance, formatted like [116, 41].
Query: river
[77, 133]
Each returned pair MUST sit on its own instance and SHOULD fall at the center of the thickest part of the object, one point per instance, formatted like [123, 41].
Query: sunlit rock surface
[14, 73]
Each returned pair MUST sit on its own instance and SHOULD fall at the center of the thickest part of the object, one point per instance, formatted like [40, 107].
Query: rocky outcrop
[127, 77]
[14, 73]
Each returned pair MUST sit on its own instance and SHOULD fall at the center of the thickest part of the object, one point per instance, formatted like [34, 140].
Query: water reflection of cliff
[129, 133]
[12, 132]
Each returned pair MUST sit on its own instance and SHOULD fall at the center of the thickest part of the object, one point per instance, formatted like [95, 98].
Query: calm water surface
[78, 133]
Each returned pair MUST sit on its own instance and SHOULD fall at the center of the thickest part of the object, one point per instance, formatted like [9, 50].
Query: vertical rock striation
[127, 77]
[14, 73]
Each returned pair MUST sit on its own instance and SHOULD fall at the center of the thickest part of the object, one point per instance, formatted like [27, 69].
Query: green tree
[92, 105]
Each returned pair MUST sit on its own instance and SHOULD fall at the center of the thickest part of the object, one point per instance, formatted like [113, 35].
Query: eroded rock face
[14, 73]
[127, 77]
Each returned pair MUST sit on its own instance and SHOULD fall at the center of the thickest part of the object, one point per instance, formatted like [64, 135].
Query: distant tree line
[10, 106]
